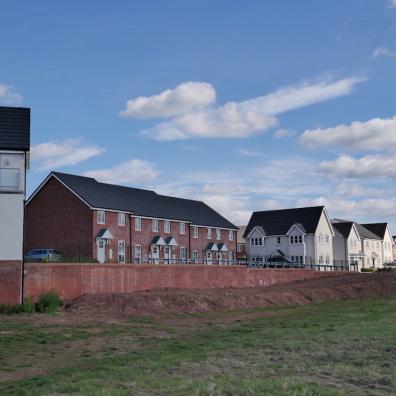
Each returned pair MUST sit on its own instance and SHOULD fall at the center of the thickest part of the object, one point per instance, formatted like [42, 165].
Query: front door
[155, 254]
[167, 252]
[101, 256]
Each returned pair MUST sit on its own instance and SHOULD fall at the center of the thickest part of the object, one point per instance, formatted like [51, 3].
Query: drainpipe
[23, 234]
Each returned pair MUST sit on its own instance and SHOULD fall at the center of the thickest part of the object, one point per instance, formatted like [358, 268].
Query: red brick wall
[146, 235]
[10, 282]
[202, 241]
[56, 218]
[119, 233]
[73, 280]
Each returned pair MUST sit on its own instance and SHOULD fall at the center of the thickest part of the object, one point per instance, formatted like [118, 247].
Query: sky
[246, 105]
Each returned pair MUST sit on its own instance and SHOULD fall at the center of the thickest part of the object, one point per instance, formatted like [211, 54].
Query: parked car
[44, 255]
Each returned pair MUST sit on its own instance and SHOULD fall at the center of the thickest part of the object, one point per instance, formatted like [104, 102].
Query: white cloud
[383, 51]
[375, 134]
[392, 3]
[134, 171]
[250, 153]
[185, 97]
[242, 119]
[367, 166]
[52, 155]
[284, 133]
[9, 96]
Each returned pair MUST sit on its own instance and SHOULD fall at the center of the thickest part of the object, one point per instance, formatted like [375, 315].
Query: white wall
[324, 248]
[11, 226]
[387, 247]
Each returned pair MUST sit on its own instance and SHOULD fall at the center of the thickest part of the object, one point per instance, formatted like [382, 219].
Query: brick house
[83, 218]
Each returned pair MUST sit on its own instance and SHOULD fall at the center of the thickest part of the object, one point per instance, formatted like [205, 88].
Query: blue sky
[246, 105]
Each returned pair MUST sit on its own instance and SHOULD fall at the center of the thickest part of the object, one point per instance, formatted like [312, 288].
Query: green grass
[338, 348]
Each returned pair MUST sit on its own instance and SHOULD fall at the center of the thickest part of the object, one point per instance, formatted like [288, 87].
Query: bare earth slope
[352, 285]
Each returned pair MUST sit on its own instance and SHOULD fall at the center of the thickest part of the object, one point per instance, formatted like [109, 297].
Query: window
[301, 260]
[230, 256]
[101, 217]
[218, 233]
[326, 238]
[320, 238]
[230, 235]
[292, 258]
[261, 241]
[195, 232]
[278, 239]
[11, 172]
[182, 228]
[138, 251]
[251, 241]
[292, 239]
[367, 244]
[300, 240]
[121, 219]
[195, 254]
[209, 255]
[167, 226]
[239, 247]
[183, 252]
[320, 259]
[209, 233]
[121, 251]
[327, 259]
[155, 225]
[138, 224]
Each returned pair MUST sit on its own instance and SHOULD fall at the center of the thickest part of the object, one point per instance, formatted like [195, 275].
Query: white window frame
[230, 235]
[182, 228]
[101, 217]
[195, 232]
[121, 219]
[327, 239]
[167, 226]
[122, 251]
[138, 224]
[195, 255]
[183, 256]
[218, 234]
[209, 233]
[239, 247]
[155, 225]
[138, 248]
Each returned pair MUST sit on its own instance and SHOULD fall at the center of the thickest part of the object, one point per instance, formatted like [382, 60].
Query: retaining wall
[73, 280]
[10, 282]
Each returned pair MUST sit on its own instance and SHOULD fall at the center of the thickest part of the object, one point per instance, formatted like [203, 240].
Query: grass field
[337, 348]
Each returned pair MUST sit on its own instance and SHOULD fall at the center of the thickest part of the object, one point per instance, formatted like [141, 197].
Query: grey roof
[142, 202]
[14, 128]
[365, 233]
[343, 228]
[378, 229]
[278, 222]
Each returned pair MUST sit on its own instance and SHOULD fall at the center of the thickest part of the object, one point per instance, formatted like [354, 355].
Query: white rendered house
[14, 160]
[299, 235]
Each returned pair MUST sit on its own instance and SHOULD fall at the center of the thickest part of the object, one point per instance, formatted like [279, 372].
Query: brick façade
[57, 218]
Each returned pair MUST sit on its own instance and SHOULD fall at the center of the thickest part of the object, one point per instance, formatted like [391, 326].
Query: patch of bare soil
[107, 307]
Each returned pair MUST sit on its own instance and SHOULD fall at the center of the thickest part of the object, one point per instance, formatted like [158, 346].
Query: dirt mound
[176, 300]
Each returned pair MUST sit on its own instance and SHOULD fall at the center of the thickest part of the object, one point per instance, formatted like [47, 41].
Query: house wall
[202, 241]
[387, 251]
[145, 236]
[340, 253]
[11, 226]
[12, 208]
[324, 248]
[56, 218]
[370, 246]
